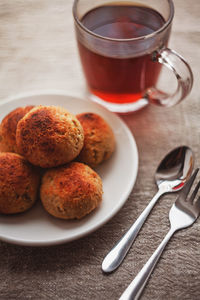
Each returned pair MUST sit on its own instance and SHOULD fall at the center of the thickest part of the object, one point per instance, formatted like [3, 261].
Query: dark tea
[120, 79]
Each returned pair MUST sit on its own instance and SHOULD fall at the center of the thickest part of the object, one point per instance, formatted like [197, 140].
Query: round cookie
[19, 183]
[8, 128]
[99, 141]
[49, 136]
[71, 191]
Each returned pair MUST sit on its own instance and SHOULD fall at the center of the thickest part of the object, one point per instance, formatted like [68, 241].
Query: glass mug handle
[181, 70]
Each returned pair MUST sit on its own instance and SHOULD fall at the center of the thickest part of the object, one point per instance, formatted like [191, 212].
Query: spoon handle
[115, 257]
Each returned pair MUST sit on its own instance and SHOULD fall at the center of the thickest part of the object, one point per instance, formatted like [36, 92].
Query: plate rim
[25, 242]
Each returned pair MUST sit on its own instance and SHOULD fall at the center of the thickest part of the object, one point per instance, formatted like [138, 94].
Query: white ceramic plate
[36, 227]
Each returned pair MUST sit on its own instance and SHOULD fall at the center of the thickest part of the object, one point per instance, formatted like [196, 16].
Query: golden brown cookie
[71, 191]
[19, 182]
[8, 128]
[99, 141]
[49, 136]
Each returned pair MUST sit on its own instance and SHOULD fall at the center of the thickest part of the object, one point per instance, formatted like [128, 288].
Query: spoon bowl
[171, 175]
[175, 169]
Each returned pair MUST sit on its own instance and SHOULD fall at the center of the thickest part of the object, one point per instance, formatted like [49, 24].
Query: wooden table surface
[38, 52]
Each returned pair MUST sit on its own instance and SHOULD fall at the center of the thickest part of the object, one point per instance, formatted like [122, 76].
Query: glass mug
[122, 47]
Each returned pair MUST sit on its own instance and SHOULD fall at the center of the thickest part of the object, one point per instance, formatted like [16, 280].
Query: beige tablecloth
[38, 52]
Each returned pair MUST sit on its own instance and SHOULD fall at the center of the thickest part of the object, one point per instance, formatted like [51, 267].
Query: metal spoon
[171, 175]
